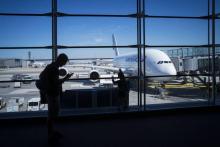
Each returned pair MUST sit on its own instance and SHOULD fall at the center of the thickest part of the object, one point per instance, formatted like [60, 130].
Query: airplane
[38, 64]
[157, 63]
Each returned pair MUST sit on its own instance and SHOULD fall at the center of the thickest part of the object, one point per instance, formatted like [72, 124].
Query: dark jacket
[123, 87]
[50, 80]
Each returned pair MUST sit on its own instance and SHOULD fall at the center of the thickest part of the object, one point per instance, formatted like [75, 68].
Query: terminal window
[175, 47]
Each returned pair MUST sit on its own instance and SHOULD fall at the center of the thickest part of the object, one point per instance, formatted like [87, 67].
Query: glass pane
[82, 67]
[84, 53]
[217, 34]
[26, 54]
[217, 31]
[25, 6]
[176, 32]
[177, 8]
[24, 65]
[18, 97]
[15, 96]
[180, 92]
[218, 80]
[96, 31]
[97, 6]
[217, 6]
[25, 31]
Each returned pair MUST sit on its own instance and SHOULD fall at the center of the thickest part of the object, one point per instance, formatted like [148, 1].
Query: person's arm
[54, 77]
[65, 78]
[113, 80]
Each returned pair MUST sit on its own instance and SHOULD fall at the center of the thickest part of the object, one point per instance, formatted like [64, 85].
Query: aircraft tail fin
[115, 44]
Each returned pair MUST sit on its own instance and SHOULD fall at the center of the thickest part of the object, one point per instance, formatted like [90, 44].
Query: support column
[213, 54]
[54, 30]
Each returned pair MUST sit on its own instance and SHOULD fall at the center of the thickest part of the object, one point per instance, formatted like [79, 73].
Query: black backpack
[43, 98]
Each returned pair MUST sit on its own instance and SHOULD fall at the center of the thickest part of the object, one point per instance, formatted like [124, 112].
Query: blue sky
[36, 31]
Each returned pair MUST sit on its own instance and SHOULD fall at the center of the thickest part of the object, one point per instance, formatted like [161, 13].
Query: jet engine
[94, 75]
[63, 71]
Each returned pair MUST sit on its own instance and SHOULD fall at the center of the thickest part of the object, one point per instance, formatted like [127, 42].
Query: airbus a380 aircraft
[157, 63]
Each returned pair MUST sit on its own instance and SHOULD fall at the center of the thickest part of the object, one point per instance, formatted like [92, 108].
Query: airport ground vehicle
[33, 104]
[25, 77]
[17, 85]
[16, 77]
[4, 85]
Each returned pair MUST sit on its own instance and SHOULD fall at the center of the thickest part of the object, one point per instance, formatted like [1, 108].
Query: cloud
[98, 40]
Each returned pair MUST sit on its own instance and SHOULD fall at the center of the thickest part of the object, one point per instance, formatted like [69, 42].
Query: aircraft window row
[161, 62]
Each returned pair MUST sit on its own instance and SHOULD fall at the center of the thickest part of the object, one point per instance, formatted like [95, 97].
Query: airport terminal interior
[168, 51]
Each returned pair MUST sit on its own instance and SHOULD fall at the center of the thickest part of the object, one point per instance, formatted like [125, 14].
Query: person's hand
[68, 75]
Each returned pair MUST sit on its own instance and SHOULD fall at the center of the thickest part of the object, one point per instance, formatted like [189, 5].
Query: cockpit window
[161, 62]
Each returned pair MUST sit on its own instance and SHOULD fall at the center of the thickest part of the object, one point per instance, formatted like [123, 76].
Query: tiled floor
[184, 129]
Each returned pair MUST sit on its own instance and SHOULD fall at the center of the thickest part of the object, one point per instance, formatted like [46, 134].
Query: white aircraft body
[157, 63]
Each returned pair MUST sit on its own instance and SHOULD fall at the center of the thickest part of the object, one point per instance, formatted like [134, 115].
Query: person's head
[121, 75]
[61, 59]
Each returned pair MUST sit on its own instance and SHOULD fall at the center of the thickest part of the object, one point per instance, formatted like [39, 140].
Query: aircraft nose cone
[169, 71]
[173, 71]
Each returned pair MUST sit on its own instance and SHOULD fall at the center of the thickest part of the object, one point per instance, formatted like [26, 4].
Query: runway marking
[23, 91]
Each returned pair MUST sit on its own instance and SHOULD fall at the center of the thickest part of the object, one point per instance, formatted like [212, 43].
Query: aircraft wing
[114, 69]
[108, 68]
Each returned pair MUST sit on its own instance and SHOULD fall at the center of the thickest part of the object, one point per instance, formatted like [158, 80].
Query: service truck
[33, 104]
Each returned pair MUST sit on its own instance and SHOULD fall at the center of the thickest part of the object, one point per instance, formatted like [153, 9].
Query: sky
[36, 31]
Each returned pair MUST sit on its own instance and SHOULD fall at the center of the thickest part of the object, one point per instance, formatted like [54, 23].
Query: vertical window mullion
[54, 29]
[213, 54]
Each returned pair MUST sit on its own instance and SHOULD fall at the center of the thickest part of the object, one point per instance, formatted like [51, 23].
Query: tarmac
[173, 94]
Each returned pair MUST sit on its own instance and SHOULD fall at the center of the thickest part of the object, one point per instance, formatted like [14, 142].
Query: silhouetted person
[51, 89]
[123, 90]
